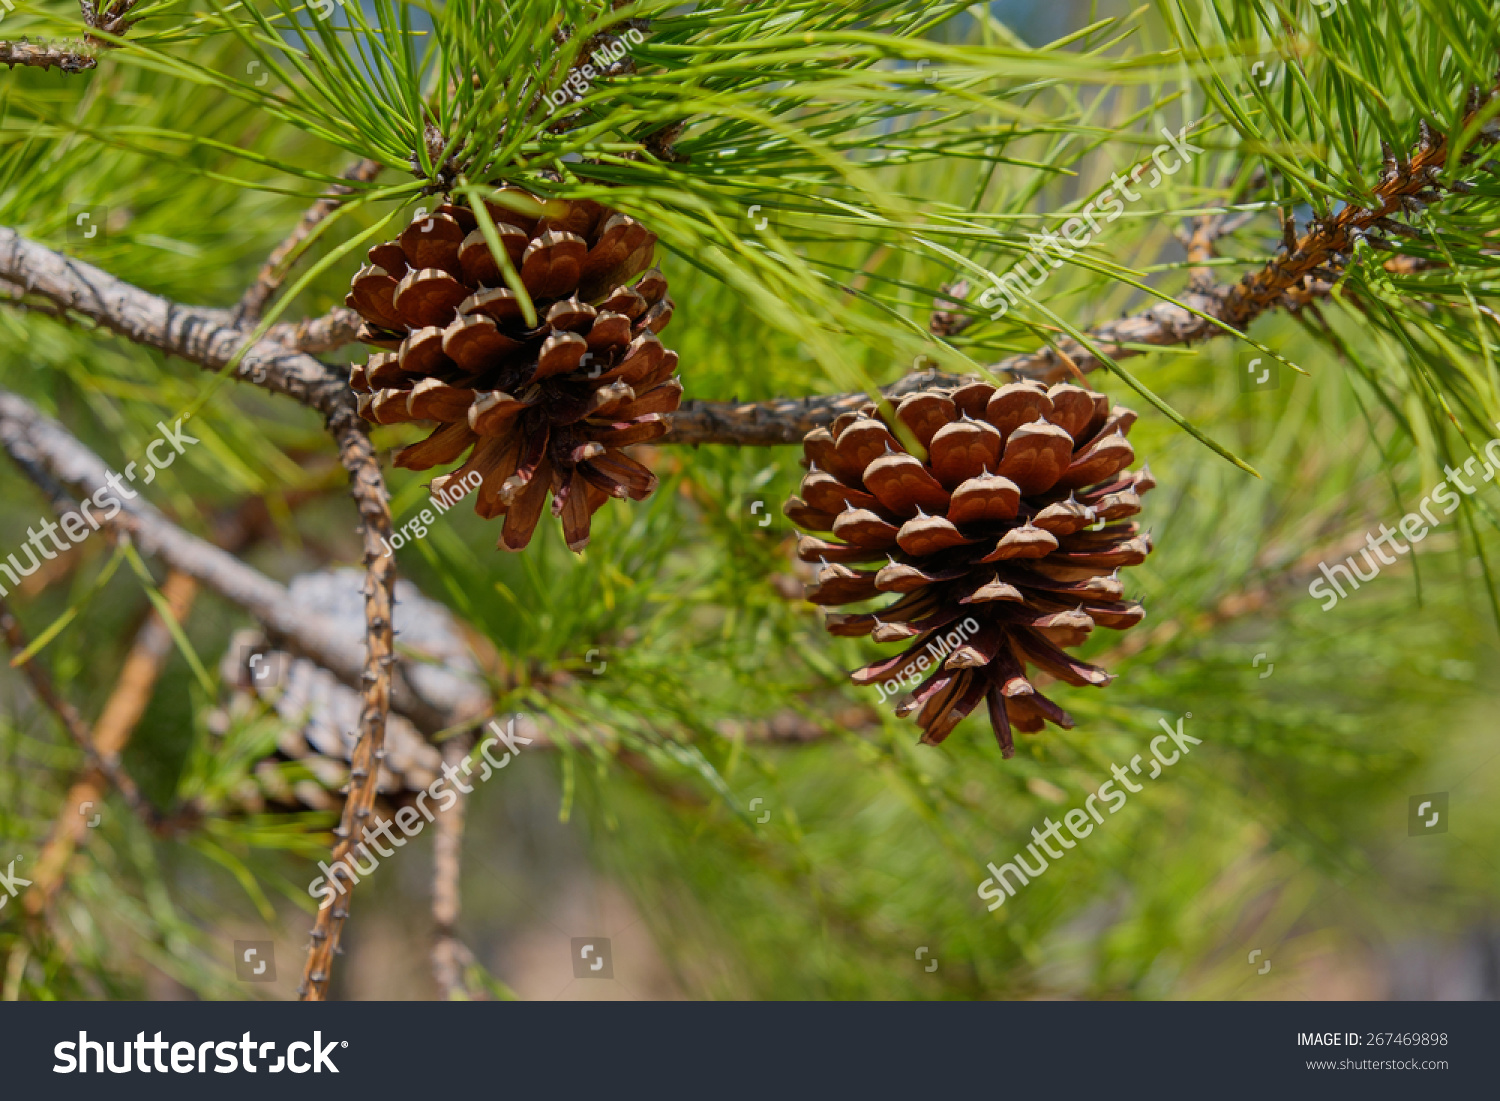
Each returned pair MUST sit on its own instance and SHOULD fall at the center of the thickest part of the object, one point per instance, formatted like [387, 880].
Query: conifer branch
[448, 952]
[210, 339]
[111, 19]
[1290, 280]
[197, 334]
[271, 275]
[72, 57]
[781, 420]
[46, 56]
[358, 457]
[315, 335]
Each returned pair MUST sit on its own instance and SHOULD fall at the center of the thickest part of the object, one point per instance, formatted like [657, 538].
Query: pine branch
[1408, 185]
[45, 56]
[448, 952]
[332, 331]
[1288, 281]
[782, 420]
[199, 335]
[71, 57]
[787, 420]
[209, 338]
[111, 20]
[358, 457]
[369, 750]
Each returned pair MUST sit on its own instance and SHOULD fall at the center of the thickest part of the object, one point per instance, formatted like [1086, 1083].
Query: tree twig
[199, 335]
[781, 420]
[46, 56]
[72, 57]
[448, 953]
[1287, 281]
[335, 329]
[368, 489]
[253, 303]
[111, 20]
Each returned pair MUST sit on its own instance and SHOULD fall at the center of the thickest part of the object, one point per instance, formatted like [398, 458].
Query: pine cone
[985, 541]
[550, 407]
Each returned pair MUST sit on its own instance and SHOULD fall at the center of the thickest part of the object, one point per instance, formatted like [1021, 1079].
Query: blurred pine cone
[548, 407]
[985, 541]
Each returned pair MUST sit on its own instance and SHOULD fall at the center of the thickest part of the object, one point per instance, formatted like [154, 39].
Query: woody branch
[1304, 271]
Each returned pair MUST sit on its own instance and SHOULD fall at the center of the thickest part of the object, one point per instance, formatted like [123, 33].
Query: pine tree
[1265, 227]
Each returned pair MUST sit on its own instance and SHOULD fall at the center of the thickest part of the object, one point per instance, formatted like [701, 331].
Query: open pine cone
[548, 407]
[986, 541]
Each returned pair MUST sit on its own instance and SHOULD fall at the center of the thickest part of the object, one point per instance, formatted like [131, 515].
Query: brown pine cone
[549, 407]
[986, 541]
